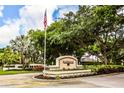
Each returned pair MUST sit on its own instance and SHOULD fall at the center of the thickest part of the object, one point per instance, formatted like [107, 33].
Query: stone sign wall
[66, 62]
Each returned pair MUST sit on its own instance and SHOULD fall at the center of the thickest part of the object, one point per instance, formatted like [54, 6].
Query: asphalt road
[115, 80]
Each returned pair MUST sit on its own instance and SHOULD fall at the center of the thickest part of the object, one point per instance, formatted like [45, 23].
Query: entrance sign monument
[66, 67]
[66, 62]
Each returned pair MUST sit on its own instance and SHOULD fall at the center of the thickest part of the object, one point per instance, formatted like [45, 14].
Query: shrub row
[106, 69]
[91, 63]
[38, 68]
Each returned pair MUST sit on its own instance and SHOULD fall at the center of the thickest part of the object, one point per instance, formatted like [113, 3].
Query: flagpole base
[44, 72]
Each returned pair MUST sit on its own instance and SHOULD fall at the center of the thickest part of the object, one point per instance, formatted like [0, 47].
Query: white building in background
[89, 58]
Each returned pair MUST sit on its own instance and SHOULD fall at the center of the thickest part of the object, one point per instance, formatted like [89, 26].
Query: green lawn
[16, 72]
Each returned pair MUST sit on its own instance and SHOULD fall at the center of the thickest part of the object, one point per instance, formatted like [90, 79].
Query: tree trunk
[23, 60]
[2, 67]
[8, 67]
[104, 59]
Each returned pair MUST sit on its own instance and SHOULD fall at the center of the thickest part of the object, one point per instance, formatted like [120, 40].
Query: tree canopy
[98, 30]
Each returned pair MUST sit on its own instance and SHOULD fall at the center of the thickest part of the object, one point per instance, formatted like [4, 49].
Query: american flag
[45, 20]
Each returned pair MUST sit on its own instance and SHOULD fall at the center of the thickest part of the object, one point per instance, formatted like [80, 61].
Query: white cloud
[8, 32]
[31, 17]
[1, 9]
[66, 9]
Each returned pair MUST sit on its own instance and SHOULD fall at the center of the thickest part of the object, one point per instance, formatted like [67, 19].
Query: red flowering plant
[38, 68]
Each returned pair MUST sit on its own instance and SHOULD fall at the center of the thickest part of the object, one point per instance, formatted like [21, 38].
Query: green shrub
[105, 69]
[58, 77]
[91, 63]
[38, 68]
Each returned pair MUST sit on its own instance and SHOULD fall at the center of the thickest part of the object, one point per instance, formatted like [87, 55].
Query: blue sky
[19, 19]
[9, 12]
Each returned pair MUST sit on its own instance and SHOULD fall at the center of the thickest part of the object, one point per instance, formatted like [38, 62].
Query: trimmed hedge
[91, 63]
[106, 69]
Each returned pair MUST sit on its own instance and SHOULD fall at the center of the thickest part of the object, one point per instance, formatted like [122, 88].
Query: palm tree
[21, 44]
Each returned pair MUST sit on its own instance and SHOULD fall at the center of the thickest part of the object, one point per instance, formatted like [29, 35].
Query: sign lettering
[68, 62]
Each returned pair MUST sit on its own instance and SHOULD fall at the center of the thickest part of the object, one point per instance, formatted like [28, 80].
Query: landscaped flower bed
[57, 76]
[60, 77]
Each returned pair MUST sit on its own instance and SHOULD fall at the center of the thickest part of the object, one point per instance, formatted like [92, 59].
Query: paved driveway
[25, 81]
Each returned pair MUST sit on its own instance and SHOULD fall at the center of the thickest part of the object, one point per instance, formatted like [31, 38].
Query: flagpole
[45, 25]
[44, 52]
